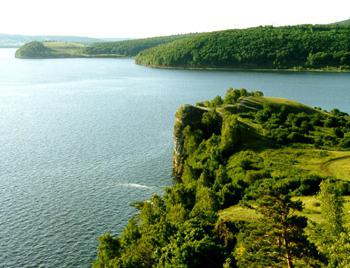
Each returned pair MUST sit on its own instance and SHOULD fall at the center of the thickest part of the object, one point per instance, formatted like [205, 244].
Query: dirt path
[325, 166]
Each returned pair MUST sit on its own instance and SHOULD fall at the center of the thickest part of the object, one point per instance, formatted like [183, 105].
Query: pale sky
[144, 18]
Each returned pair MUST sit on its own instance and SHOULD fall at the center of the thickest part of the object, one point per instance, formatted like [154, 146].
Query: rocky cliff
[187, 115]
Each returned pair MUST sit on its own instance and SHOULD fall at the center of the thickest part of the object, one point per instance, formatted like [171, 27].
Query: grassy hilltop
[260, 182]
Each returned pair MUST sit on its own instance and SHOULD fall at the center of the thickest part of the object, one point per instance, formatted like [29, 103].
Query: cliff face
[187, 115]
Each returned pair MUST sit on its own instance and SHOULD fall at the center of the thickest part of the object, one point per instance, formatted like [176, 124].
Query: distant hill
[12, 40]
[343, 23]
[131, 48]
[124, 48]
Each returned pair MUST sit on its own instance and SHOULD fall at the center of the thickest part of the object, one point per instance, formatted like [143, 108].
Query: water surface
[80, 139]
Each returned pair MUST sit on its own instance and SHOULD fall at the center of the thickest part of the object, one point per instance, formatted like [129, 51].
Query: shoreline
[290, 70]
[106, 56]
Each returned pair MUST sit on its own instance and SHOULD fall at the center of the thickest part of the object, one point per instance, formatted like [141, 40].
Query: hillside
[39, 50]
[12, 40]
[132, 47]
[291, 47]
[244, 164]
[342, 23]
[124, 48]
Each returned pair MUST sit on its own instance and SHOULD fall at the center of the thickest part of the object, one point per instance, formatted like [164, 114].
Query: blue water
[80, 139]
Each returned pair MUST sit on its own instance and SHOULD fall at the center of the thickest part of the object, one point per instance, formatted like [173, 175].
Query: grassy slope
[311, 210]
[256, 103]
[290, 160]
[298, 160]
[287, 160]
[343, 23]
[292, 106]
[69, 50]
[65, 48]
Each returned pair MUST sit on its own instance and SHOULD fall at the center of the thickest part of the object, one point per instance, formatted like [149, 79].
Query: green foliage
[231, 134]
[212, 122]
[330, 236]
[277, 239]
[303, 46]
[233, 95]
[108, 250]
[130, 47]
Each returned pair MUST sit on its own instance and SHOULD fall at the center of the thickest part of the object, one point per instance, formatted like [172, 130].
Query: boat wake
[134, 185]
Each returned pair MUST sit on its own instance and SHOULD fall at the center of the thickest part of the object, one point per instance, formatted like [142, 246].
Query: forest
[257, 183]
[131, 47]
[290, 47]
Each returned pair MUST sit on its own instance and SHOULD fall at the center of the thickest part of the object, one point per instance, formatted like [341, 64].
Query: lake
[81, 139]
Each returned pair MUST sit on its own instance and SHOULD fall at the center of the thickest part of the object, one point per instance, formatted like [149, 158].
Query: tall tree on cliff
[277, 238]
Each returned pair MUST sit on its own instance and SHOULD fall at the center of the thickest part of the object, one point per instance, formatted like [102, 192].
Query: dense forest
[131, 47]
[298, 47]
[258, 184]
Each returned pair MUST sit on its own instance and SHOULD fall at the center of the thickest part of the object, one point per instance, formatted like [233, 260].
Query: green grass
[251, 103]
[291, 106]
[304, 161]
[338, 167]
[68, 49]
[63, 45]
[238, 213]
[311, 210]
[327, 163]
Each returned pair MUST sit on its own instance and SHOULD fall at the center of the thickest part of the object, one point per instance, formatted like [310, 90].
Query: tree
[331, 237]
[277, 238]
[108, 249]
[230, 134]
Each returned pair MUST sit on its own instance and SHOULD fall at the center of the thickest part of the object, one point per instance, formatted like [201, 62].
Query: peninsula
[258, 184]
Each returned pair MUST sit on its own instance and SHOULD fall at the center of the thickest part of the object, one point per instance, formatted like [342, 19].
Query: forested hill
[300, 47]
[131, 47]
[261, 182]
[125, 48]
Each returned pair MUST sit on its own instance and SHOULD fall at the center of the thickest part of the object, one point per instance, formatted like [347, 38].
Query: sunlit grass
[311, 210]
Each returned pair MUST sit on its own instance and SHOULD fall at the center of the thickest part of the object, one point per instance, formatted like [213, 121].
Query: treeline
[300, 47]
[228, 159]
[132, 47]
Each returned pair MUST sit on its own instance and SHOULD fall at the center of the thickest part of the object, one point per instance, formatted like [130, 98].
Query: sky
[144, 18]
